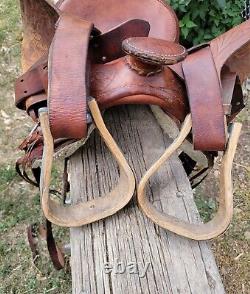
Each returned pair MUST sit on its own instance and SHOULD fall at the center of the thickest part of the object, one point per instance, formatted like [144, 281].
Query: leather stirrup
[222, 219]
[94, 210]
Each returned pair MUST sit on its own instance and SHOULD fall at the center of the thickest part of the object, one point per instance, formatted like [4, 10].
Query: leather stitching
[155, 53]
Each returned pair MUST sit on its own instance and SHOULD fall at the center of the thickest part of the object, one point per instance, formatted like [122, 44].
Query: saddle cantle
[80, 59]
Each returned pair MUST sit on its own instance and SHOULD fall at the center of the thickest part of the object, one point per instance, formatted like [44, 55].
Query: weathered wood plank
[176, 265]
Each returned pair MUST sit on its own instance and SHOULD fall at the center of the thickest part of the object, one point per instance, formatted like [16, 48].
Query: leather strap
[55, 253]
[33, 82]
[34, 233]
[106, 47]
[68, 81]
[205, 99]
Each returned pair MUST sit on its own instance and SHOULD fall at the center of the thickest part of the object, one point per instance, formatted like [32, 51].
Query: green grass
[10, 36]
[20, 206]
[21, 276]
[7, 174]
[8, 29]
[19, 203]
[206, 207]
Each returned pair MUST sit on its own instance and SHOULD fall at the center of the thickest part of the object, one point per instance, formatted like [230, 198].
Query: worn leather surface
[205, 100]
[111, 13]
[108, 46]
[86, 60]
[154, 51]
[116, 83]
[33, 82]
[233, 49]
[133, 80]
[39, 18]
[68, 78]
[104, 48]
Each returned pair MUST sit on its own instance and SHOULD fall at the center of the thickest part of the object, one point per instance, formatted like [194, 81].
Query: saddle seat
[111, 13]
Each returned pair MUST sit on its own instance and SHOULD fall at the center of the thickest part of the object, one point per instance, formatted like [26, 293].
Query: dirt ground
[19, 203]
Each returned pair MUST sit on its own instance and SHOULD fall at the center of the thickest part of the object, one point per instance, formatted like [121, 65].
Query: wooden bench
[127, 253]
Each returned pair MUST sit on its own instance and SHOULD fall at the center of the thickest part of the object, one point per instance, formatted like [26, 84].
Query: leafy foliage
[202, 20]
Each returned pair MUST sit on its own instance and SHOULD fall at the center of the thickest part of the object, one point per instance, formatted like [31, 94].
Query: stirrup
[222, 219]
[98, 208]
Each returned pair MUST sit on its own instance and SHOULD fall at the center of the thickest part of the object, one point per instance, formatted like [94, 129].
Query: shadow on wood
[104, 254]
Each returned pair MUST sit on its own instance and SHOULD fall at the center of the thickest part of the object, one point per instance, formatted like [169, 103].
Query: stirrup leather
[222, 219]
[98, 208]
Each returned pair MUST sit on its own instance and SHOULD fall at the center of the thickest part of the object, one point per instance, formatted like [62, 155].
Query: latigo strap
[205, 100]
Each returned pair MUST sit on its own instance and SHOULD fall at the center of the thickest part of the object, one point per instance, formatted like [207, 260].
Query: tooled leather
[108, 45]
[154, 51]
[117, 14]
[115, 83]
[106, 23]
[205, 100]
[68, 89]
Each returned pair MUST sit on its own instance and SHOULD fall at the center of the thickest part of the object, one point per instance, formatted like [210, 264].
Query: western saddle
[80, 59]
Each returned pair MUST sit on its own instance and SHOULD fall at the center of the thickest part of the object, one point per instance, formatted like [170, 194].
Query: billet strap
[205, 100]
[56, 255]
[33, 82]
[98, 208]
[68, 78]
[222, 219]
[38, 231]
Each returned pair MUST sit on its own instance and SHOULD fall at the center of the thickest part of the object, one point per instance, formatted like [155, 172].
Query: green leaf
[190, 24]
[202, 20]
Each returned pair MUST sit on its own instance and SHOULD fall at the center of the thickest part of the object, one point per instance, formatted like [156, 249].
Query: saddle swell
[116, 84]
[129, 56]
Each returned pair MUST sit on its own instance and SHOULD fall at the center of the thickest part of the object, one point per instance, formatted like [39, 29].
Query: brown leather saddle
[78, 58]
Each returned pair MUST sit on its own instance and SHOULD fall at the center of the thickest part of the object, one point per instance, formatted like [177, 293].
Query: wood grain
[176, 264]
